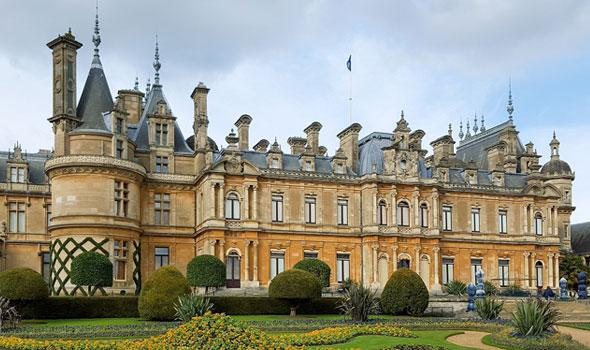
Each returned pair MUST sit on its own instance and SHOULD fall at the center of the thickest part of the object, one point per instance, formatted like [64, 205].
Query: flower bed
[334, 335]
[143, 330]
[547, 342]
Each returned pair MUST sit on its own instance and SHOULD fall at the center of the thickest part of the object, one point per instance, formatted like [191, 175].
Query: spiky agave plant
[488, 308]
[456, 287]
[533, 317]
[190, 305]
[358, 302]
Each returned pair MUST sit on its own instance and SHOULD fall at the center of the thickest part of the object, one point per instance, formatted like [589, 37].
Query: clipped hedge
[271, 306]
[160, 292]
[295, 284]
[92, 269]
[206, 271]
[319, 268]
[22, 283]
[79, 307]
[404, 294]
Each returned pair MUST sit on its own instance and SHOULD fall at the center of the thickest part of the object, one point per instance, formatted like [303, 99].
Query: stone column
[211, 202]
[526, 269]
[555, 228]
[550, 269]
[246, 262]
[436, 286]
[394, 257]
[435, 208]
[255, 203]
[246, 204]
[533, 270]
[525, 225]
[417, 259]
[415, 203]
[221, 200]
[255, 261]
[374, 206]
[222, 250]
[556, 271]
[393, 208]
[549, 221]
[532, 220]
[375, 262]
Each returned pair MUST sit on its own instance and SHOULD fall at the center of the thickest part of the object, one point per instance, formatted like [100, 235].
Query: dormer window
[17, 174]
[119, 125]
[119, 149]
[403, 164]
[274, 163]
[161, 164]
[161, 134]
[307, 165]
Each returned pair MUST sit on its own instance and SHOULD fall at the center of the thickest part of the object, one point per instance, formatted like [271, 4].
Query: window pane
[21, 221]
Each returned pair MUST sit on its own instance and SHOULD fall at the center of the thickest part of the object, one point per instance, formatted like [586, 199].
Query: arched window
[538, 224]
[539, 274]
[232, 207]
[403, 214]
[403, 264]
[382, 213]
[424, 215]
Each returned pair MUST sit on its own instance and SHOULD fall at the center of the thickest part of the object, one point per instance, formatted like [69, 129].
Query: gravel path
[579, 335]
[471, 339]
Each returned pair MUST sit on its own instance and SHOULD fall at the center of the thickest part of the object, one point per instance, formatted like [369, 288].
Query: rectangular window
[423, 215]
[277, 208]
[17, 174]
[447, 221]
[307, 165]
[161, 134]
[161, 164]
[503, 270]
[382, 213]
[49, 214]
[120, 255]
[119, 153]
[119, 125]
[342, 267]
[16, 218]
[45, 265]
[162, 256]
[539, 224]
[475, 219]
[310, 254]
[309, 210]
[274, 163]
[503, 221]
[403, 214]
[448, 270]
[162, 208]
[121, 198]
[475, 266]
[342, 212]
[277, 263]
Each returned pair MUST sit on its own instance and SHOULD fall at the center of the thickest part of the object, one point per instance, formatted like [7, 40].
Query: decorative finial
[461, 134]
[157, 64]
[554, 135]
[402, 114]
[148, 86]
[510, 107]
[136, 86]
[483, 127]
[450, 130]
[96, 40]
[475, 127]
[468, 134]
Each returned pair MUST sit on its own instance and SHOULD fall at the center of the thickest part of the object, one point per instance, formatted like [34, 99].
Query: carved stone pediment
[233, 165]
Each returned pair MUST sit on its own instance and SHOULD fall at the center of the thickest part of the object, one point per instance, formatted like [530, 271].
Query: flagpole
[350, 101]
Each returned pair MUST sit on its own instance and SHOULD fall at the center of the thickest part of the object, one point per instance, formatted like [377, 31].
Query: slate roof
[95, 100]
[140, 131]
[36, 163]
[290, 162]
[556, 166]
[581, 238]
[474, 148]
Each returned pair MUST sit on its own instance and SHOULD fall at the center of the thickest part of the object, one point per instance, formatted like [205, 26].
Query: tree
[569, 267]
[92, 269]
[404, 294]
[206, 271]
[162, 289]
[318, 268]
[295, 286]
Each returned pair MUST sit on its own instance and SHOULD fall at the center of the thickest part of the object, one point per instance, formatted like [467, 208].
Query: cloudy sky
[283, 62]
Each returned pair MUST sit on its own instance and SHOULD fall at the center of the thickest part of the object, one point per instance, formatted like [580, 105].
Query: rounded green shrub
[91, 269]
[404, 294]
[206, 271]
[296, 286]
[22, 283]
[318, 268]
[158, 294]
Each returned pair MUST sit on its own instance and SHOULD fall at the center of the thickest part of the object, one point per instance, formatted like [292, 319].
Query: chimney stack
[201, 120]
[297, 144]
[243, 125]
[349, 143]
[313, 136]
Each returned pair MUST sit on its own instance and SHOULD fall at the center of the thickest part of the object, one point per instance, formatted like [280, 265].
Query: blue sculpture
[582, 294]
[563, 289]
[470, 297]
[480, 293]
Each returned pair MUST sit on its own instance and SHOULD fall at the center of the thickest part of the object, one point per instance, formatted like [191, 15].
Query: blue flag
[349, 63]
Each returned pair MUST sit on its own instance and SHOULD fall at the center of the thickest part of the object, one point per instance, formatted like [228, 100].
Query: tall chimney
[313, 136]
[297, 144]
[201, 120]
[349, 143]
[243, 125]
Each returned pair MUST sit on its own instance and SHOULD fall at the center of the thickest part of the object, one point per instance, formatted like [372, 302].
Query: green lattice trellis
[137, 267]
[58, 285]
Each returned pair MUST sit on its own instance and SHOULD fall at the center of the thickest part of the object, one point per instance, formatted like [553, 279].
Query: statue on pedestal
[582, 294]
[563, 289]
[471, 297]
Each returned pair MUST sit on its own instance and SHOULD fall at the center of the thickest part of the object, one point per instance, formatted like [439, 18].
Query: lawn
[580, 325]
[303, 317]
[379, 342]
[84, 322]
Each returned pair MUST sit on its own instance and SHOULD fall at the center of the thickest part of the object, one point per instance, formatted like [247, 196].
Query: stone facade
[124, 181]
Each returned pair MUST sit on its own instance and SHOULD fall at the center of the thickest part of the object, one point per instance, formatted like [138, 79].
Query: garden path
[471, 339]
[579, 335]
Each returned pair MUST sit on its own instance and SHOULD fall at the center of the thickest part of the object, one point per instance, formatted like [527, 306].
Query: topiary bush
[318, 268]
[162, 289]
[92, 269]
[404, 294]
[296, 286]
[22, 283]
[206, 271]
